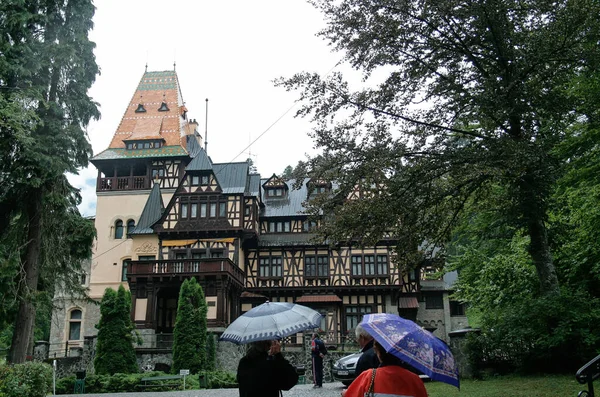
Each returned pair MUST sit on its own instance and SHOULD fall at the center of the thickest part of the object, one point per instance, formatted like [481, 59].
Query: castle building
[166, 212]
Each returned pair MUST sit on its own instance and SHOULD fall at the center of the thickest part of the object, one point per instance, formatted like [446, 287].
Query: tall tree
[189, 336]
[287, 173]
[114, 350]
[475, 95]
[47, 67]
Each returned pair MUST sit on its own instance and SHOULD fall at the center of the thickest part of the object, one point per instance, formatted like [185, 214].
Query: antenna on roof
[206, 129]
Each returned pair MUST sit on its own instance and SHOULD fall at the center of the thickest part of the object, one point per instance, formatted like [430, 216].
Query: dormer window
[163, 107]
[318, 186]
[275, 187]
[200, 180]
[140, 109]
[275, 192]
[136, 145]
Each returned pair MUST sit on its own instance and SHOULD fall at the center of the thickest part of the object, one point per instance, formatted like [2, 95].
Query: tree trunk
[534, 212]
[22, 345]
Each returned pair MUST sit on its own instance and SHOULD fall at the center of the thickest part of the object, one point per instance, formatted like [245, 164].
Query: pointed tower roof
[156, 112]
[152, 212]
[201, 162]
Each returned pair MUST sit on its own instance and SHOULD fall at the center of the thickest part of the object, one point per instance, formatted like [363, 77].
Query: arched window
[130, 226]
[75, 325]
[119, 229]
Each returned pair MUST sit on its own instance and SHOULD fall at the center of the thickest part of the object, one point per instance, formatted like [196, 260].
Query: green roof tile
[165, 151]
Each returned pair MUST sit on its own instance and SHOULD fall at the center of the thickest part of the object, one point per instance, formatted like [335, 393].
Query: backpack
[322, 348]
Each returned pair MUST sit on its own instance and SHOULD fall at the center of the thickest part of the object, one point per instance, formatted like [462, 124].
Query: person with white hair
[368, 359]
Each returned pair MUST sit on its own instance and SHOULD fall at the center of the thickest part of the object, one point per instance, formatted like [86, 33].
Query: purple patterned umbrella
[413, 345]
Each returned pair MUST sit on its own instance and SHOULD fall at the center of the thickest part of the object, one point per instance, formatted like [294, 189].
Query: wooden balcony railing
[187, 267]
[123, 183]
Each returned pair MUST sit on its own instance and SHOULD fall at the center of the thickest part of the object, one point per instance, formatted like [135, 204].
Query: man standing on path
[318, 352]
[368, 359]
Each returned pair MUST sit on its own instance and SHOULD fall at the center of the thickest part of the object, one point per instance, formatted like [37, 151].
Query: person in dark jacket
[318, 352]
[368, 359]
[263, 371]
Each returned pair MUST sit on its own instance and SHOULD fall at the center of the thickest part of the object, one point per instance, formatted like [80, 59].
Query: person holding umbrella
[263, 372]
[389, 378]
[400, 342]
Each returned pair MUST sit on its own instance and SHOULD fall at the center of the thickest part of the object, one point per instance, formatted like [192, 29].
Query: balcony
[186, 268]
[123, 183]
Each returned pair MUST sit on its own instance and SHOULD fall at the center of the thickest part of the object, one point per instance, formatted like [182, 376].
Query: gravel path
[328, 390]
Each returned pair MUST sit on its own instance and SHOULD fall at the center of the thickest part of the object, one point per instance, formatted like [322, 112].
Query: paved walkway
[328, 390]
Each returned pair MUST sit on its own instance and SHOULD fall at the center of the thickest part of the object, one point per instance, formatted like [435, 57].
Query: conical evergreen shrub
[114, 350]
[189, 337]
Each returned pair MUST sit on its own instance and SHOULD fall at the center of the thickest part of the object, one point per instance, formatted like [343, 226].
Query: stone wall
[227, 359]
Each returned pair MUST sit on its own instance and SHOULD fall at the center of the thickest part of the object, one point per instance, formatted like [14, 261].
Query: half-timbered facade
[166, 212]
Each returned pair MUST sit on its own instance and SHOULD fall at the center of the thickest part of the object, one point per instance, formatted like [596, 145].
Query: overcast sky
[226, 51]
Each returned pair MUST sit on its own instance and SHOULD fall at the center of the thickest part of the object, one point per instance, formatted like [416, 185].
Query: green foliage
[32, 379]
[287, 173]
[211, 352]
[220, 379]
[129, 383]
[189, 336]
[114, 350]
[522, 330]
[46, 69]
[463, 102]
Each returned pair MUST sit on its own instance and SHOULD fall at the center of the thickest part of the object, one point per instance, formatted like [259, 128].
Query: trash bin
[79, 382]
[202, 381]
[301, 370]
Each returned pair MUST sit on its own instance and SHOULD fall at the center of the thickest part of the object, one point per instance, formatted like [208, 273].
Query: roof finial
[146, 68]
[174, 66]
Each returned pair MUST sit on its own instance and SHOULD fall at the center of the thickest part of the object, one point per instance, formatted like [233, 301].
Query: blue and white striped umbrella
[271, 320]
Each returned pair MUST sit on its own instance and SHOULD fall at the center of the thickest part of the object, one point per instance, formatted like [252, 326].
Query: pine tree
[189, 336]
[114, 351]
[46, 69]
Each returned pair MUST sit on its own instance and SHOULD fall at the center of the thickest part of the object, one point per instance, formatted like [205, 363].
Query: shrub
[220, 379]
[32, 379]
[114, 351]
[189, 336]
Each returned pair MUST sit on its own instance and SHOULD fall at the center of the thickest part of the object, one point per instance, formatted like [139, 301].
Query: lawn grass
[510, 386]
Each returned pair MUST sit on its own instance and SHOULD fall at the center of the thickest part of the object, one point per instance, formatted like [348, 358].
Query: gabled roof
[152, 212]
[274, 181]
[193, 147]
[200, 163]
[232, 177]
[170, 126]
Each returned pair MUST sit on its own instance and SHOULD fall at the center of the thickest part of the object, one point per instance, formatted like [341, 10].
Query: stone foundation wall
[228, 356]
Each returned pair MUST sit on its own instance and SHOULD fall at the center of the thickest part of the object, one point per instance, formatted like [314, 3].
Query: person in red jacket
[391, 378]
